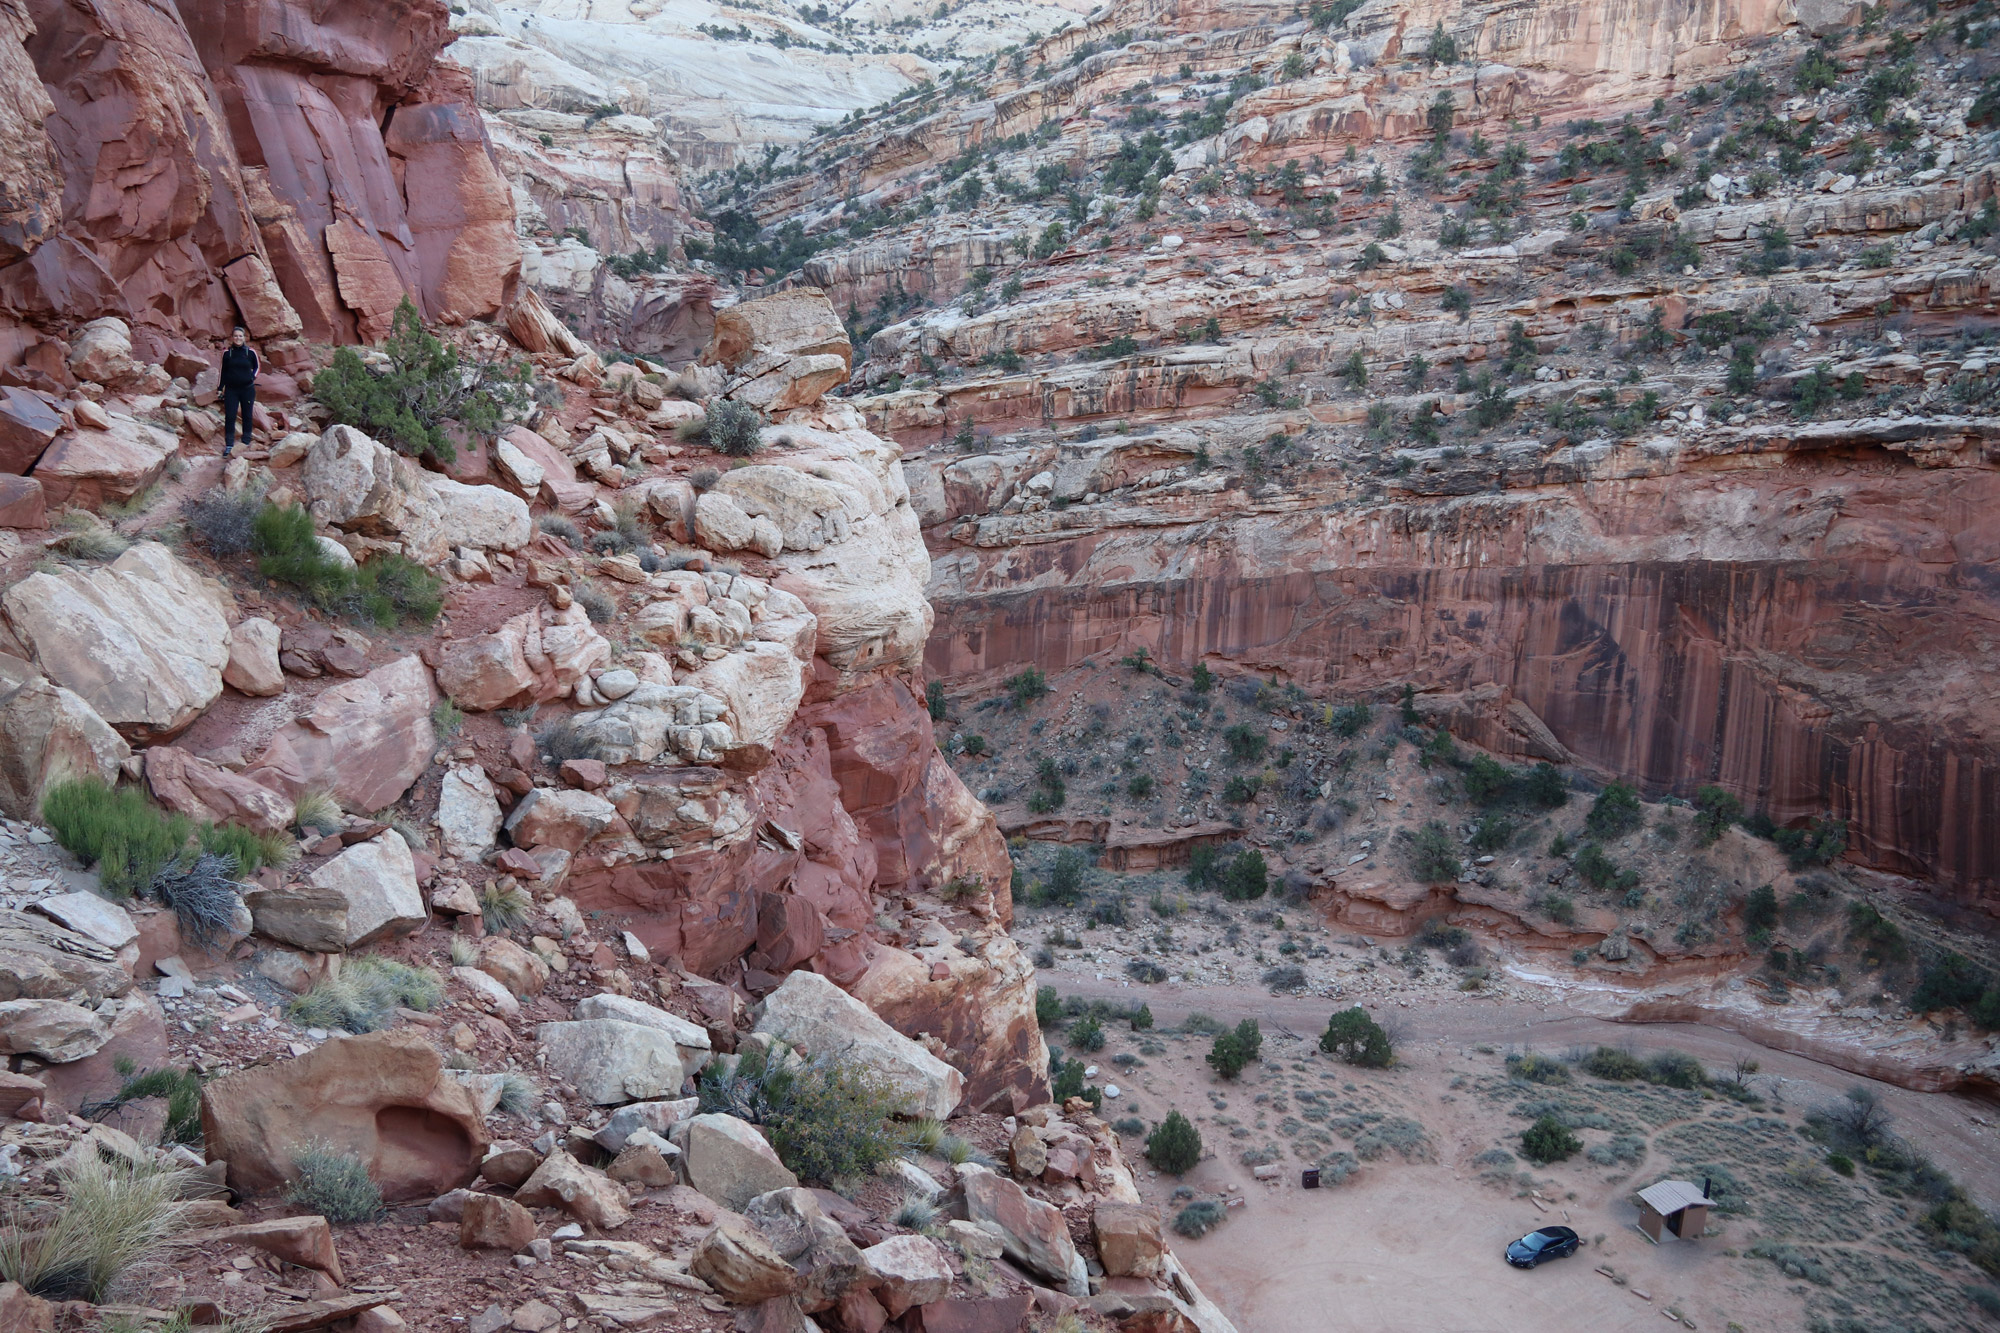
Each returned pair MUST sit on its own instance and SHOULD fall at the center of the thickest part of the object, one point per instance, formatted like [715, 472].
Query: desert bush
[1145, 970]
[1286, 979]
[599, 605]
[316, 812]
[562, 740]
[556, 525]
[1676, 1069]
[426, 386]
[1398, 1134]
[125, 835]
[1199, 1218]
[1337, 1168]
[1247, 877]
[1087, 1034]
[1246, 743]
[504, 907]
[517, 1093]
[1715, 810]
[180, 1088]
[827, 1119]
[1841, 1163]
[1026, 686]
[387, 590]
[1357, 1039]
[1615, 812]
[1236, 1048]
[1623, 1149]
[1433, 856]
[1858, 1122]
[1820, 842]
[222, 522]
[333, 1183]
[1548, 1140]
[1174, 1146]
[1130, 1124]
[1534, 1068]
[110, 1229]
[732, 428]
[1048, 1007]
[1608, 1062]
[1068, 876]
[202, 891]
[366, 995]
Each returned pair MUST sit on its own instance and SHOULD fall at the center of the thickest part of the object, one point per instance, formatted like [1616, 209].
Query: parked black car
[1548, 1243]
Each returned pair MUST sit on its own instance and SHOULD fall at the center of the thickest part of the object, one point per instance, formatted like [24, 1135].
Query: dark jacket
[239, 367]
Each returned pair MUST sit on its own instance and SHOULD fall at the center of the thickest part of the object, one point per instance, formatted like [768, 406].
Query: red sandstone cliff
[298, 169]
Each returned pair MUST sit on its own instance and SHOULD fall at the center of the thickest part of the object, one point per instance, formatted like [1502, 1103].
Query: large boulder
[187, 784]
[355, 483]
[809, 511]
[41, 960]
[468, 815]
[741, 1265]
[816, 1246]
[763, 684]
[101, 352]
[1129, 1241]
[610, 1062]
[93, 466]
[253, 658]
[28, 425]
[783, 351]
[721, 525]
[365, 740]
[377, 882]
[49, 734]
[143, 640]
[559, 817]
[729, 1160]
[811, 1011]
[1032, 1233]
[907, 1271]
[532, 658]
[584, 1192]
[483, 517]
[53, 1030]
[385, 1097]
[691, 1040]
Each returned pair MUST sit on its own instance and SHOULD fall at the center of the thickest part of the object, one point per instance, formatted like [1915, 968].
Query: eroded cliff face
[297, 170]
[1633, 442]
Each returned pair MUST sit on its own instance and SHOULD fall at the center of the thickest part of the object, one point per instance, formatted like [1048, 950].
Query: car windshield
[1536, 1240]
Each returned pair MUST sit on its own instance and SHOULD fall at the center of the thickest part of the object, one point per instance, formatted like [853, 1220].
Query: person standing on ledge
[239, 388]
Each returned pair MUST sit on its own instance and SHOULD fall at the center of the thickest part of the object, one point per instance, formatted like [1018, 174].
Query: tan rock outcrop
[142, 640]
[365, 740]
[384, 1096]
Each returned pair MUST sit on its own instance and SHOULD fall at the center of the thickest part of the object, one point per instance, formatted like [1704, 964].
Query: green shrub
[1615, 812]
[125, 835]
[387, 590]
[1350, 721]
[1433, 854]
[1236, 1048]
[333, 1183]
[181, 1088]
[366, 995]
[1608, 1062]
[221, 522]
[1493, 833]
[1533, 1068]
[1087, 1034]
[1357, 1039]
[1548, 1140]
[1048, 1007]
[1952, 982]
[1199, 1218]
[732, 428]
[1246, 743]
[504, 908]
[1600, 871]
[426, 386]
[827, 1119]
[1174, 1146]
[1676, 1069]
[1820, 842]
[1065, 1080]
[1247, 877]
[1841, 1162]
[1069, 876]
[1715, 810]
[1024, 687]
[1760, 912]
[109, 1231]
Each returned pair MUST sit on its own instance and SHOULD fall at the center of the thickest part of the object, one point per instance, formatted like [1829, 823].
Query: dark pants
[235, 396]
